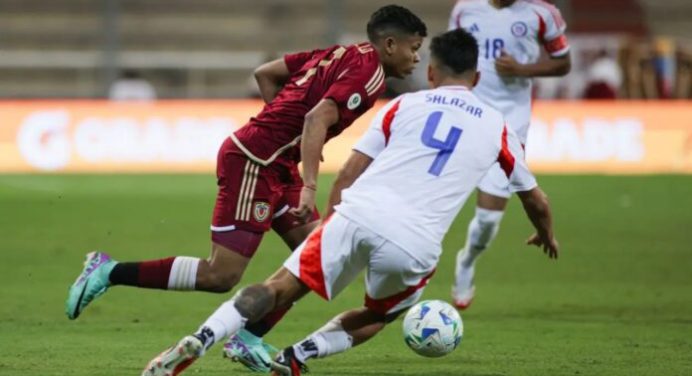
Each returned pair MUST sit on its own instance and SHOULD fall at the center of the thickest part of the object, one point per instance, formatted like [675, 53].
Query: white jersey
[521, 29]
[430, 150]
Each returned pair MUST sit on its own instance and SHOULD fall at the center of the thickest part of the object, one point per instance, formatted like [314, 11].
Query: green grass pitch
[618, 301]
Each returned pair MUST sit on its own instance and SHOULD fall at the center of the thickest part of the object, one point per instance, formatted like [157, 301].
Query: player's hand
[306, 205]
[550, 246]
[506, 65]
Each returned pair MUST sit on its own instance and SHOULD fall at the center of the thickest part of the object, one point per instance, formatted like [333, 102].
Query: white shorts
[495, 182]
[333, 255]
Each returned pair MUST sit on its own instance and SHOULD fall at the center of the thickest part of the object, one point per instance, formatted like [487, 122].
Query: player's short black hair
[394, 18]
[456, 49]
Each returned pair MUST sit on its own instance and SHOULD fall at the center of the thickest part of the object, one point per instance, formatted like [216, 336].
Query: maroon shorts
[253, 197]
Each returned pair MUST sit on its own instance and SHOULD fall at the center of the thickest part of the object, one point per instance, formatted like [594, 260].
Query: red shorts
[253, 197]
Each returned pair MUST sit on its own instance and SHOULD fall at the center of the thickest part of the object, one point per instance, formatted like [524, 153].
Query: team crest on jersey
[519, 29]
[353, 101]
[261, 211]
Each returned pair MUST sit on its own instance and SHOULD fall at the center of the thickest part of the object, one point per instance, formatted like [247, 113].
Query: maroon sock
[262, 327]
[154, 274]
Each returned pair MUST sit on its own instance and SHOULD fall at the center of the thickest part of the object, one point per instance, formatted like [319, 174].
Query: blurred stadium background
[197, 51]
[207, 48]
[617, 303]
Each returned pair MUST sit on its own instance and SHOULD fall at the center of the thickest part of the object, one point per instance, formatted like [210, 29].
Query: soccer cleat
[463, 299]
[176, 359]
[463, 290]
[286, 364]
[250, 351]
[91, 283]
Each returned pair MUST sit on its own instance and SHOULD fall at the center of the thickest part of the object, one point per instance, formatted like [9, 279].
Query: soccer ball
[433, 328]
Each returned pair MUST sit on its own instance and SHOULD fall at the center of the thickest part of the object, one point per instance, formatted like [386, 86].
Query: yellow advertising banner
[183, 136]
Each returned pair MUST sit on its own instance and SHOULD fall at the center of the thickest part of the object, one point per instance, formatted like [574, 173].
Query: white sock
[183, 274]
[482, 230]
[224, 322]
[329, 340]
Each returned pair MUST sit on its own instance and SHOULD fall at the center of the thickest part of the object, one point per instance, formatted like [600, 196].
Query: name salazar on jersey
[455, 102]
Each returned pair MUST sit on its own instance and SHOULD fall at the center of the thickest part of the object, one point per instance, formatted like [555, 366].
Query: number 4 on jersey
[445, 147]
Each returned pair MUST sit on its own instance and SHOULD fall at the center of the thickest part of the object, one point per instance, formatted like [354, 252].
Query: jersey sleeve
[513, 163]
[377, 136]
[296, 61]
[551, 29]
[356, 89]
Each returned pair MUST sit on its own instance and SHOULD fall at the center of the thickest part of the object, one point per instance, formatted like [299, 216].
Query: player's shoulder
[546, 10]
[363, 54]
[490, 112]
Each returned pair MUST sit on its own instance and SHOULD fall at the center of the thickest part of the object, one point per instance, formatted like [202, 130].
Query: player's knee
[253, 302]
[488, 218]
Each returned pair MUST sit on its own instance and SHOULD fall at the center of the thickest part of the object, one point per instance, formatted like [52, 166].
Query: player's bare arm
[317, 121]
[356, 164]
[537, 208]
[507, 65]
[271, 77]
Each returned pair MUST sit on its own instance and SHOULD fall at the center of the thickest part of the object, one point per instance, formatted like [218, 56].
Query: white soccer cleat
[463, 289]
[463, 299]
[173, 361]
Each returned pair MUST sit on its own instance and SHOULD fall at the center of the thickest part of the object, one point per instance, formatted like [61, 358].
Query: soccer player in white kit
[403, 185]
[511, 35]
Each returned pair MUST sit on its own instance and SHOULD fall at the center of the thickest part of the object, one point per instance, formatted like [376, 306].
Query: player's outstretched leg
[348, 329]
[247, 346]
[250, 304]
[482, 230]
[91, 283]
[219, 274]
[175, 359]
[463, 289]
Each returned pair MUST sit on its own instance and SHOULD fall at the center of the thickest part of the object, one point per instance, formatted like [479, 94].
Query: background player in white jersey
[510, 34]
[403, 185]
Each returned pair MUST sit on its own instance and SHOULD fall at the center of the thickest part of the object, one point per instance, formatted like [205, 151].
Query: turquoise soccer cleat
[250, 351]
[91, 283]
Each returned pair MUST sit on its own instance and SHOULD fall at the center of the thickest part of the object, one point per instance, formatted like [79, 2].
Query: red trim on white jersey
[387, 121]
[505, 157]
[311, 272]
[382, 306]
[554, 12]
[541, 28]
[556, 47]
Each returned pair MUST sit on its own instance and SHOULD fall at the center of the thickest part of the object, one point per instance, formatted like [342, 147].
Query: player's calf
[212, 280]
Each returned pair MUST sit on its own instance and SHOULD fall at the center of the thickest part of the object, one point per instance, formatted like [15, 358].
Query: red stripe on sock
[154, 274]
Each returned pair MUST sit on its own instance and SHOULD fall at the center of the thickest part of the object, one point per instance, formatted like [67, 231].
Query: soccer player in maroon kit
[310, 98]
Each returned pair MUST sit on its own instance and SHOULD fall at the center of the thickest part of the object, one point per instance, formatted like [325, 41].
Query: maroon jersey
[351, 76]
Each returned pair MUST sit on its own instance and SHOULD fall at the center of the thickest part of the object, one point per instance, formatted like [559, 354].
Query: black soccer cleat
[286, 364]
